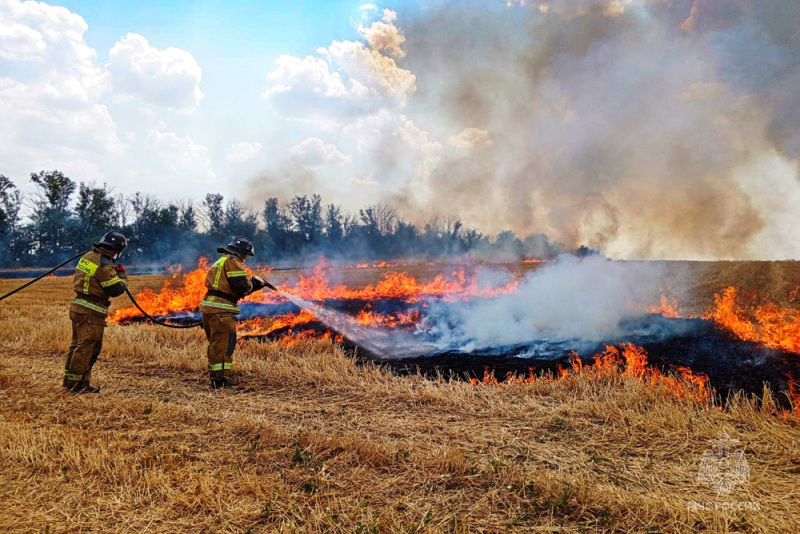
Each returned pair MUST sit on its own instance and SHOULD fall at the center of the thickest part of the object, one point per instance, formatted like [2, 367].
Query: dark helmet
[113, 242]
[240, 246]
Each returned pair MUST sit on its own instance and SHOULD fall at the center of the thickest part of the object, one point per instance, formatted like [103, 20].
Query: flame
[755, 319]
[393, 320]
[378, 265]
[745, 315]
[667, 307]
[628, 361]
[794, 394]
[170, 299]
[394, 285]
[267, 325]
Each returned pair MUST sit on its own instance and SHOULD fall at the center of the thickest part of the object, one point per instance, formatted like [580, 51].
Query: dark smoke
[658, 129]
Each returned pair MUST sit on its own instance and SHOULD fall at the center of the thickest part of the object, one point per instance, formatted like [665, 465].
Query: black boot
[219, 383]
[83, 387]
[71, 385]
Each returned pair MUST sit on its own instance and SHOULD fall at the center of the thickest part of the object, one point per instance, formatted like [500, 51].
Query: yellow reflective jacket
[95, 281]
[226, 283]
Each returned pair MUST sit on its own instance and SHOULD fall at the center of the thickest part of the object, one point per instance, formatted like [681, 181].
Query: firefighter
[226, 282]
[96, 280]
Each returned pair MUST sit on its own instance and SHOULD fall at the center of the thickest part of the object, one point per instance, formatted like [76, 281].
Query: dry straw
[311, 442]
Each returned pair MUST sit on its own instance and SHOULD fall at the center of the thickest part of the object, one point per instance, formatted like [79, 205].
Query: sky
[650, 129]
[162, 97]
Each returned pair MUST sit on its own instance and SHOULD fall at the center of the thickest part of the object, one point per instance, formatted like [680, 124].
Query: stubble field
[312, 442]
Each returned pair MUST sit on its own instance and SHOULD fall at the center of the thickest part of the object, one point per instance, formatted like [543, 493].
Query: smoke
[649, 129]
[626, 126]
[570, 299]
[292, 178]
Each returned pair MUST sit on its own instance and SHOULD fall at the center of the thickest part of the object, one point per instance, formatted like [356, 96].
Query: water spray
[378, 341]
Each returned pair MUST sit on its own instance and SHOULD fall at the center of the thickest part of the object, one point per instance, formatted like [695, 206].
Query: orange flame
[267, 325]
[633, 362]
[757, 320]
[170, 299]
[394, 320]
[317, 287]
[667, 307]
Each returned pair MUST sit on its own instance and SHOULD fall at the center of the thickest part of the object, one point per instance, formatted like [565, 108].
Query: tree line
[62, 217]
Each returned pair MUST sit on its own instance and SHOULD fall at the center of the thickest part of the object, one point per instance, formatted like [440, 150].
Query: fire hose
[156, 321]
[57, 267]
[162, 323]
[130, 296]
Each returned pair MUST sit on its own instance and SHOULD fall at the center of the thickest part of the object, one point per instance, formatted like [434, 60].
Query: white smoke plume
[573, 298]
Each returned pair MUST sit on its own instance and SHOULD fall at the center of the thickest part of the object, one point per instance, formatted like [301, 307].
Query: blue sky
[219, 31]
[228, 49]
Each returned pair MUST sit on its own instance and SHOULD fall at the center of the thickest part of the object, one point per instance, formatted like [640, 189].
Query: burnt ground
[730, 363]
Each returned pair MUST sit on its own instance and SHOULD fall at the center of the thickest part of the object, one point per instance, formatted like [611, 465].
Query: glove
[258, 283]
[119, 268]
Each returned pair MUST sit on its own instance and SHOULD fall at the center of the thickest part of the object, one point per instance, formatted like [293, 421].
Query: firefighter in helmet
[226, 282]
[96, 280]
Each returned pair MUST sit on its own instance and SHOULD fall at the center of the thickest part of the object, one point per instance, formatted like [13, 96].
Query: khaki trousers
[220, 329]
[87, 342]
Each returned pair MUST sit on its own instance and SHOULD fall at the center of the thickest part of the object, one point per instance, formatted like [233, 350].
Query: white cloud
[389, 16]
[471, 139]
[168, 78]
[314, 152]
[369, 131]
[21, 43]
[44, 45]
[49, 95]
[244, 151]
[382, 77]
[346, 80]
[181, 156]
[307, 89]
[368, 7]
[395, 142]
[384, 36]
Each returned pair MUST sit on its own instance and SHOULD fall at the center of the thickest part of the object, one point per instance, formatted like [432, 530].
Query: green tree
[215, 213]
[278, 228]
[96, 210]
[10, 204]
[307, 217]
[238, 220]
[11, 236]
[53, 230]
[334, 225]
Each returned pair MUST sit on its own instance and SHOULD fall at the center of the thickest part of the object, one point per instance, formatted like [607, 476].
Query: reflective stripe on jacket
[96, 280]
[226, 276]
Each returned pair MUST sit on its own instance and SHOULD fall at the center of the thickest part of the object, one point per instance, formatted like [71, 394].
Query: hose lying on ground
[57, 267]
[156, 321]
[153, 319]
[161, 323]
